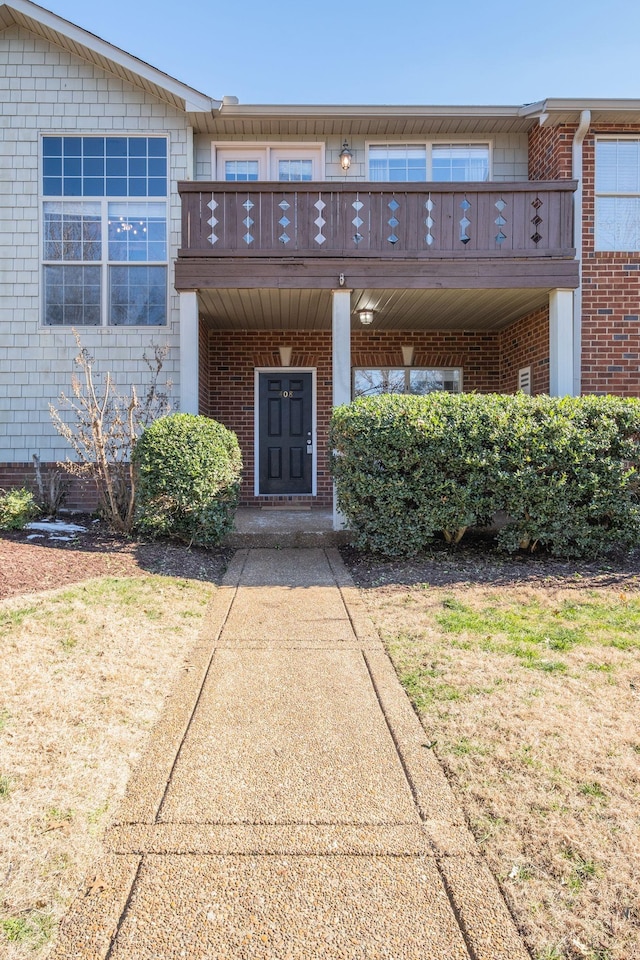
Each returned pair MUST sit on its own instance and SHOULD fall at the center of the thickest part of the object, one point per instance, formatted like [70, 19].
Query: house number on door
[286, 394]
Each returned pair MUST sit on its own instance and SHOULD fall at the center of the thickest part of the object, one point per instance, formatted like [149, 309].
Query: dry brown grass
[534, 710]
[83, 674]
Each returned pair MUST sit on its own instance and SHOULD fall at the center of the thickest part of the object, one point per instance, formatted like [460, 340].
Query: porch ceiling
[304, 309]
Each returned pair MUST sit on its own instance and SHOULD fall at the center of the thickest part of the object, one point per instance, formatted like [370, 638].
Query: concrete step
[278, 529]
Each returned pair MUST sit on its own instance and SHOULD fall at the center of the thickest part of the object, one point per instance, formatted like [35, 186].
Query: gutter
[576, 173]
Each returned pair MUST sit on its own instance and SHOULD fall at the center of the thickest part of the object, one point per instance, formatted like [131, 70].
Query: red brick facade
[81, 494]
[234, 356]
[525, 344]
[610, 281]
[610, 296]
[550, 152]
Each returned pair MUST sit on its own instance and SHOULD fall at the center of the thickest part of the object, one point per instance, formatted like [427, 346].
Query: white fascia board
[362, 111]
[549, 110]
[194, 101]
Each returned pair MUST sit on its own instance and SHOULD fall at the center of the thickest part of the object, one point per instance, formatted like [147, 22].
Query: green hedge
[188, 478]
[563, 470]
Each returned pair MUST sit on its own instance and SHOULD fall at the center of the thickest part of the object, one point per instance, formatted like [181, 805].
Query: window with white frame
[417, 162]
[289, 163]
[617, 194]
[104, 230]
[370, 381]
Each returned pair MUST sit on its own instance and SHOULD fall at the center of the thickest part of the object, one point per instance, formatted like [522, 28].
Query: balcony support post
[189, 373]
[341, 366]
[561, 383]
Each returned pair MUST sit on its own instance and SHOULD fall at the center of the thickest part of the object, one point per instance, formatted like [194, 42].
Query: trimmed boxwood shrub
[563, 470]
[188, 478]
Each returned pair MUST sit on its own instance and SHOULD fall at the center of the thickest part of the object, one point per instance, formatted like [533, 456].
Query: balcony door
[285, 441]
[284, 162]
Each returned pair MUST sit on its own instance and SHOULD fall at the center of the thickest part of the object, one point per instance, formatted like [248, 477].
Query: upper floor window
[104, 240]
[104, 166]
[617, 194]
[277, 161]
[417, 162]
[403, 162]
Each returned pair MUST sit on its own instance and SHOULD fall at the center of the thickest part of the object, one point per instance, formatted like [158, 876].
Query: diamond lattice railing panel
[320, 221]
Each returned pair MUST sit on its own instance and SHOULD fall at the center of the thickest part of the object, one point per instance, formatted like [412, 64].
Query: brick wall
[44, 89]
[610, 281]
[610, 297]
[550, 152]
[81, 493]
[526, 344]
[233, 357]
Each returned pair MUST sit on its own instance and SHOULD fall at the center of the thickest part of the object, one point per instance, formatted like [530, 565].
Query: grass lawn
[84, 672]
[530, 696]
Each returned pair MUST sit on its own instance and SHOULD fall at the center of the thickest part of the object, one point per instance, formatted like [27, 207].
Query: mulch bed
[27, 566]
[478, 561]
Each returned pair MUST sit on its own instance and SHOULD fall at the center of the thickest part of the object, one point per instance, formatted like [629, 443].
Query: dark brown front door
[285, 441]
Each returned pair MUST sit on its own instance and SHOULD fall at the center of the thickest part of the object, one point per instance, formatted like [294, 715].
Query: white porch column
[189, 373]
[341, 366]
[561, 343]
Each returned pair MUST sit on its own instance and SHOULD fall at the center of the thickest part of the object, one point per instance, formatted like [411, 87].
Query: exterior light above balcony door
[345, 157]
[365, 317]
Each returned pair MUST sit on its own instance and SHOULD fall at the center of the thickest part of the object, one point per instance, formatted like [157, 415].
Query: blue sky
[347, 51]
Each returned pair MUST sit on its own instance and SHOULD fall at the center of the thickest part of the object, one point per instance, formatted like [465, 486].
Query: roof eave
[193, 100]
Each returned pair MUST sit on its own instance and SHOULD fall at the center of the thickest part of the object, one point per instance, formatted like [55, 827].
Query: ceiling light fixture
[365, 317]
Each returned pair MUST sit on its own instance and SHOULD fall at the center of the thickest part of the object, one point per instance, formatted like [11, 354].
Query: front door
[285, 439]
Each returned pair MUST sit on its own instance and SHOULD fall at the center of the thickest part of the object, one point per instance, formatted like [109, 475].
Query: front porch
[475, 279]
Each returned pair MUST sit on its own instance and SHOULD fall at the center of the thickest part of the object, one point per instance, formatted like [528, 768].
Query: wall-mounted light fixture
[345, 156]
[365, 317]
[285, 356]
[407, 355]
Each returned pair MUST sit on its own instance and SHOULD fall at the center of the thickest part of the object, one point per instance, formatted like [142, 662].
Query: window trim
[104, 263]
[402, 366]
[428, 146]
[598, 194]
[267, 153]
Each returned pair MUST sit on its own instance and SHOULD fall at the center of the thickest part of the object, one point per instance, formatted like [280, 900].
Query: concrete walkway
[288, 807]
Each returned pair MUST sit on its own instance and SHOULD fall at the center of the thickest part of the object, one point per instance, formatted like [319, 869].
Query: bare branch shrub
[103, 429]
[52, 488]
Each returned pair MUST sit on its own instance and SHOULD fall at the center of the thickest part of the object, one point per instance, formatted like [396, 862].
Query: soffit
[395, 310]
[354, 121]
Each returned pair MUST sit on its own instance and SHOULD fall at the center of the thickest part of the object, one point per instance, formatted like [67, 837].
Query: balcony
[336, 220]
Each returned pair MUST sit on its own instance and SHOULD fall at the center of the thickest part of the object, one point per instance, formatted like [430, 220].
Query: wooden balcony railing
[357, 219]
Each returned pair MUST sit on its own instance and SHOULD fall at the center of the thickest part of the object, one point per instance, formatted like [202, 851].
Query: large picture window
[370, 381]
[418, 162]
[104, 246]
[618, 194]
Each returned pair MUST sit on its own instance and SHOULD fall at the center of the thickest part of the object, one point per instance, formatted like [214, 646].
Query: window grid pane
[72, 295]
[72, 231]
[104, 166]
[137, 231]
[402, 162]
[298, 170]
[241, 170]
[451, 163]
[137, 296]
